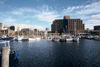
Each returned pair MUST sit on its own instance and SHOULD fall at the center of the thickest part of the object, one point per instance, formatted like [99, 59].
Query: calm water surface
[46, 53]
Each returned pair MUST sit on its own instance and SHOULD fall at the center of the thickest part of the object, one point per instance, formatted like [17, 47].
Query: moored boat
[19, 38]
[76, 39]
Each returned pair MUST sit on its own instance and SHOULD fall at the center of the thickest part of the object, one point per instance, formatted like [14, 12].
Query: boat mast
[75, 28]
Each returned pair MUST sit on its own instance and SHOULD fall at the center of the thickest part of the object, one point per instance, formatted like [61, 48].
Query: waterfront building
[7, 32]
[96, 30]
[15, 27]
[1, 26]
[12, 28]
[27, 31]
[97, 27]
[67, 25]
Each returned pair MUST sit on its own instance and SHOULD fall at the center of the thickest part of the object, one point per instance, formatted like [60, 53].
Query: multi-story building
[57, 26]
[67, 25]
[1, 26]
[12, 28]
[97, 27]
[96, 30]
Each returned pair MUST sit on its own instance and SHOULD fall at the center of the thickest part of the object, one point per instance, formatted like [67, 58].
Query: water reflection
[45, 53]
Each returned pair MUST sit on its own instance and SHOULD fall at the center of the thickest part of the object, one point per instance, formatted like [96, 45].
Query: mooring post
[5, 56]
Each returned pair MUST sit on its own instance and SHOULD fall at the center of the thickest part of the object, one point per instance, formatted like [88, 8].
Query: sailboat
[19, 38]
[76, 38]
[31, 39]
[69, 38]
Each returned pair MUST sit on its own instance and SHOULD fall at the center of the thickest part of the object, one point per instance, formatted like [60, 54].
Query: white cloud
[28, 21]
[21, 11]
[9, 20]
[97, 16]
[89, 13]
[93, 21]
[21, 26]
[39, 27]
[17, 12]
[84, 9]
[90, 9]
[42, 14]
[47, 16]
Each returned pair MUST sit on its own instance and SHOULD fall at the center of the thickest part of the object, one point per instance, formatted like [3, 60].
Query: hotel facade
[67, 25]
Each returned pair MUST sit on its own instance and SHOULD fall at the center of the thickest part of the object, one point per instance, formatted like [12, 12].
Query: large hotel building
[67, 25]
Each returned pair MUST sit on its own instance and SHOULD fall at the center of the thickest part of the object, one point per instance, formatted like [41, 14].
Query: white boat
[56, 39]
[76, 39]
[19, 38]
[38, 38]
[69, 38]
[31, 39]
[90, 37]
[97, 37]
[49, 38]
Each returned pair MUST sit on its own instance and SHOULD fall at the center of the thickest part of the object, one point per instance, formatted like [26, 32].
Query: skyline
[41, 13]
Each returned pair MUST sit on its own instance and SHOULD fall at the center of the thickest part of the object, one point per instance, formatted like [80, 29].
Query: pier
[5, 57]
[5, 52]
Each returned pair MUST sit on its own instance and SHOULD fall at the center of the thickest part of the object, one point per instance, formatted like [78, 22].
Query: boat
[96, 37]
[49, 38]
[19, 38]
[56, 39]
[6, 38]
[89, 37]
[38, 38]
[31, 39]
[66, 37]
[69, 38]
[76, 39]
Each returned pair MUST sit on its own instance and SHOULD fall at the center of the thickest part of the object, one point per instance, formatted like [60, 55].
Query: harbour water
[46, 53]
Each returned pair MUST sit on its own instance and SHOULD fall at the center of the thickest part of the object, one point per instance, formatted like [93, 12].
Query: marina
[47, 53]
[49, 33]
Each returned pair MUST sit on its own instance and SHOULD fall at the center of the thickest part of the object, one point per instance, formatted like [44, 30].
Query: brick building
[96, 30]
[67, 25]
[97, 27]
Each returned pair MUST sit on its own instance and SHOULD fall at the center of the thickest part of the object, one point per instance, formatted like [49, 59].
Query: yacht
[31, 39]
[76, 39]
[89, 37]
[97, 37]
[49, 38]
[38, 38]
[66, 37]
[56, 39]
[19, 38]
[69, 38]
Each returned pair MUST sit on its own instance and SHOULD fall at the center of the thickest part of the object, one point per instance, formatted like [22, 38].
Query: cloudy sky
[41, 13]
